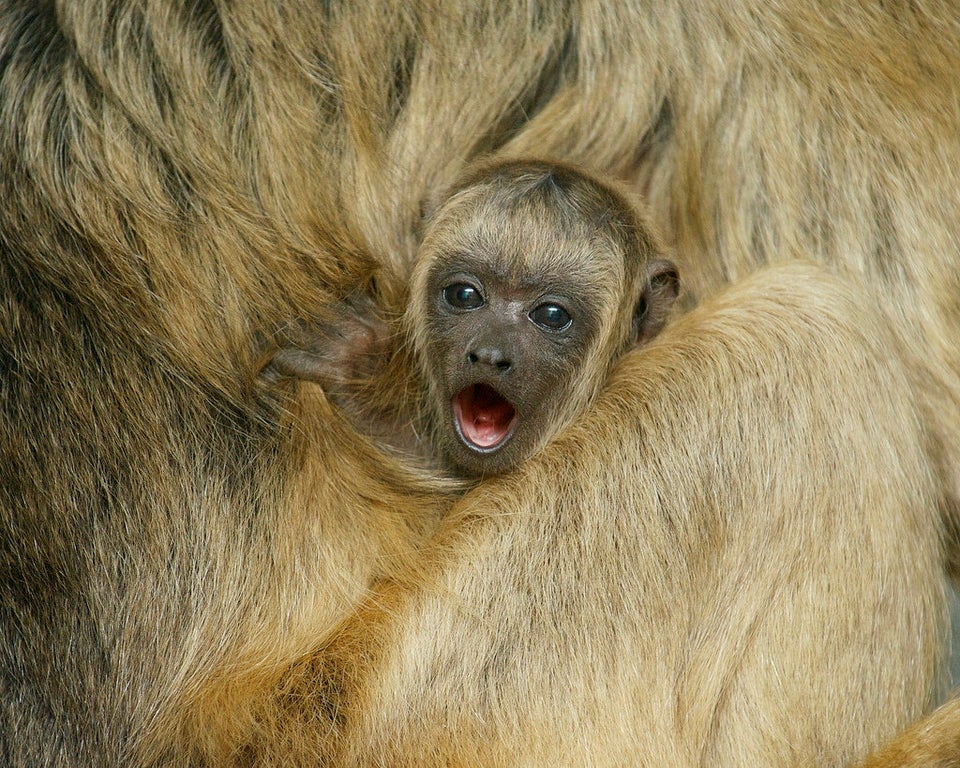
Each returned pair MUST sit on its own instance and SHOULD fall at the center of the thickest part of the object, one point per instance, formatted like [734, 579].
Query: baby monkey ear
[661, 288]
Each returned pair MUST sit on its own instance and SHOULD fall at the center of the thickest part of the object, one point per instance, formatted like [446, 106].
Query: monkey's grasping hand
[342, 351]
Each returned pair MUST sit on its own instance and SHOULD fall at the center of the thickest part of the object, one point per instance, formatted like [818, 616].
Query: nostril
[490, 358]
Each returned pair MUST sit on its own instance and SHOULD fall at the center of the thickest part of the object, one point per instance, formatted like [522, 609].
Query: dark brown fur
[197, 565]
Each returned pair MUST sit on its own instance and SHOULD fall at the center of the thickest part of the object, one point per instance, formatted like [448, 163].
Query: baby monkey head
[532, 279]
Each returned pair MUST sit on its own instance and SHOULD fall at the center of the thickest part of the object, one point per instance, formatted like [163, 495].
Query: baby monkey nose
[490, 356]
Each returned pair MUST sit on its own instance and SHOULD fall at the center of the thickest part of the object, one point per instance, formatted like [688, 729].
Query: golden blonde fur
[686, 610]
[934, 742]
[734, 560]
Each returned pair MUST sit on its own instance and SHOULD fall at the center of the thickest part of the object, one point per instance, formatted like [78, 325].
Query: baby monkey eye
[553, 317]
[462, 296]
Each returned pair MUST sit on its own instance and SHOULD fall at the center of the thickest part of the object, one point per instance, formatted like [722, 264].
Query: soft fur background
[735, 559]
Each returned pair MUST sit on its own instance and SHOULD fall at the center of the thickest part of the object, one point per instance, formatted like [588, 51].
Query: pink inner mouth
[484, 416]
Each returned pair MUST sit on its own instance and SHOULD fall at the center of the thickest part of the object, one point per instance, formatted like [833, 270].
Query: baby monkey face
[507, 352]
[533, 277]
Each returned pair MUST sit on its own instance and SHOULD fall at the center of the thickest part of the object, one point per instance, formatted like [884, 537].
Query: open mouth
[484, 418]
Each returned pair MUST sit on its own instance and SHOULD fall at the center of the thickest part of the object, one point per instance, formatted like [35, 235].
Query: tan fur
[164, 557]
[934, 742]
[692, 617]
[199, 568]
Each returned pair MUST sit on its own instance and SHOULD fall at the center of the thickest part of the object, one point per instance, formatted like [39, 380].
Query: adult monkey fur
[184, 552]
[532, 279]
[697, 665]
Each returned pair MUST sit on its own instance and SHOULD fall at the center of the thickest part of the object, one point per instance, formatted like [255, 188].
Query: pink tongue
[484, 416]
